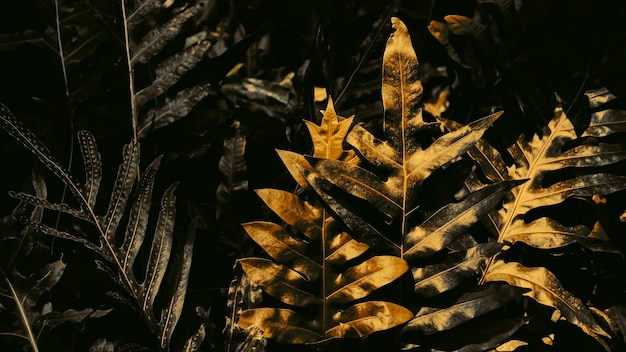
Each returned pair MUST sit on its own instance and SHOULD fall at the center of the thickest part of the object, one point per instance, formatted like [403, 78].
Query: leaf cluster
[474, 205]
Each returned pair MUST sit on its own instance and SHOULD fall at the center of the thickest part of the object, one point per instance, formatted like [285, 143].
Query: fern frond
[535, 160]
[171, 70]
[325, 269]
[173, 109]
[21, 313]
[121, 256]
[158, 38]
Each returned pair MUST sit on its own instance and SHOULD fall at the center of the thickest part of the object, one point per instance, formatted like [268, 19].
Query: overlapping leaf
[545, 288]
[535, 161]
[402, 163]
[121, 255]
[242, 294]
[22, 317]
[327, 141]
[308, 272]
[430, 320]
[381, 201]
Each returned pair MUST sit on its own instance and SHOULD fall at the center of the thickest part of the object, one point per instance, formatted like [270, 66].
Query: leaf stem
[20, 307]
[69, 108]
[131, 81]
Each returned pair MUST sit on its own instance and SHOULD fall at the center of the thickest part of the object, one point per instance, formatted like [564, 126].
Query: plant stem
[20, 307]
[131, 81]
[69, 108]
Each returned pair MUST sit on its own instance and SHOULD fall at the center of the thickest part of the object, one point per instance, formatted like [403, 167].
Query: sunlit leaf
[317, 267]
[329, 136]
[282, 325]
[369, 317]
[534, 160]
[546, 289]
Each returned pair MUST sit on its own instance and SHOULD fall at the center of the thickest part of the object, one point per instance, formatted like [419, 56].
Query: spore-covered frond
[120, 251]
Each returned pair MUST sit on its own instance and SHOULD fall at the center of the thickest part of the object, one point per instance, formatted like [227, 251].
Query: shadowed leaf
[467, 307]
[171, 70]
[451, 221]
[120, 256]
[173, 109]
[156, 39]
[432, 280]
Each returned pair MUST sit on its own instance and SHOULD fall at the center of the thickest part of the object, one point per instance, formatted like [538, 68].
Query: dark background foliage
[554, 48]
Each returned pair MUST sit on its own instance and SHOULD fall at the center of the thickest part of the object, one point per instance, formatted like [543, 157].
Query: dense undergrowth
[462, 188]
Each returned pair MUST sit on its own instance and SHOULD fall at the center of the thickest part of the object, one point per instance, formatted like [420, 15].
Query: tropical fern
[120, 255]
[319, 273]
[558, 148]
[168, 72]
[382, 207]
[387, 208]
[524, 218]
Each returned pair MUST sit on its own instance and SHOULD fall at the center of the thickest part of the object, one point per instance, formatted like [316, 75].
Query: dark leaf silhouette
[121, 256]
[24, 319]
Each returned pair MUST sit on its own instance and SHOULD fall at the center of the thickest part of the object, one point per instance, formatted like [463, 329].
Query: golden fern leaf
[311, 274]
[381, 202]
[535, 160]
[401, 161]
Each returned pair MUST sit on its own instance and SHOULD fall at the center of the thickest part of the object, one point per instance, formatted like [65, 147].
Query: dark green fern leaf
[156, 39]
[120, 256]
[24, 320]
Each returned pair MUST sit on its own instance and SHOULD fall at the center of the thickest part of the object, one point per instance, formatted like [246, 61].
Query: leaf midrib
[531, 174]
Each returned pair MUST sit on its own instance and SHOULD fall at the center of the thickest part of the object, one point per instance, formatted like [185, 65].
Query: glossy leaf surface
[309, 254]
[309, 274]
[546, 289]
